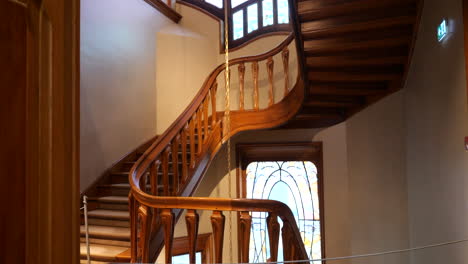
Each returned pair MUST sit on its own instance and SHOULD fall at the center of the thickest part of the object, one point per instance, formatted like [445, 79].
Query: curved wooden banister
[173, 166]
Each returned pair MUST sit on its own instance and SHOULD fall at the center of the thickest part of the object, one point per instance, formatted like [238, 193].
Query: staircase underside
[357, 52]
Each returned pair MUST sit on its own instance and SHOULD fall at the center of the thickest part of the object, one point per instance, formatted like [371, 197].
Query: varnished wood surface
[165, 9]
[354, 49]
[13, 132]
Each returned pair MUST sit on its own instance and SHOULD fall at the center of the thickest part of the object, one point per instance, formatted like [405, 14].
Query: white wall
[437, 121]
[118, 88]
[377, 182]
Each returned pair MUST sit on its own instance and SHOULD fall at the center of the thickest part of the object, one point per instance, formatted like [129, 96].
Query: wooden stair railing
[293, 246]
[171, 169]
[175, 163]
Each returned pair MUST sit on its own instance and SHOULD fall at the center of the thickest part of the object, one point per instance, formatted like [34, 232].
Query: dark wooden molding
[165, 10]
[465, 33]
[281, 151]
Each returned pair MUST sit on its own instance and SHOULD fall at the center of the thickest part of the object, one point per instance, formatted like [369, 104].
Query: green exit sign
[442, 30]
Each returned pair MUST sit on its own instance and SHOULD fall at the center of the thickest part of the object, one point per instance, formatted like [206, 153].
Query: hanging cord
[227, 114]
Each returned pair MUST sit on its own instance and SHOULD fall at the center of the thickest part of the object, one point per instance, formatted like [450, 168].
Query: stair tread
[101, 252]
[111, 232]
[113, 199]
[109, 214]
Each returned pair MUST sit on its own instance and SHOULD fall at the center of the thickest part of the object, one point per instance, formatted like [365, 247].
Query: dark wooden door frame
[282, 151]
[52, 132]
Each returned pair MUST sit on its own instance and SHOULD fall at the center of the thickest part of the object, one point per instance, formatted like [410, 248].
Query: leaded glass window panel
[252, 18]
[267, 12]
[283, 12]
[238, 21]
[235, 3]
[294, 183]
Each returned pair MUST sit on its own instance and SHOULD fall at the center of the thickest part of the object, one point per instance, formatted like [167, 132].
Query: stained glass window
[283, 12]
[252, 18]
[238, 21]
[267, 12]
[294, 183]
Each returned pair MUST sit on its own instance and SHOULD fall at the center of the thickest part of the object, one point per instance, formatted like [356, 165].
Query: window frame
[261, 31]
[284, 151]
[218, 14]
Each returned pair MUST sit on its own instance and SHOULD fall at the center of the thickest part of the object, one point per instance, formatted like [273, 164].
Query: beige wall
[118, 92]
[377, 200]
[437, 121]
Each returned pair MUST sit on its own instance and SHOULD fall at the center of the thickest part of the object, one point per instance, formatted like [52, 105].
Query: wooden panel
[13, 131]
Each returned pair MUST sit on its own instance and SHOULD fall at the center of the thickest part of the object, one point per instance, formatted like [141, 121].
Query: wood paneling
[13, 131]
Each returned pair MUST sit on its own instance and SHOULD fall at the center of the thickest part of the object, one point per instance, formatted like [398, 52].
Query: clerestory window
[249, 19]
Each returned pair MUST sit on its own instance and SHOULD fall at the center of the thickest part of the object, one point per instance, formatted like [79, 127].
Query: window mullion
[275, 12]
[244, 10]
[260, 14]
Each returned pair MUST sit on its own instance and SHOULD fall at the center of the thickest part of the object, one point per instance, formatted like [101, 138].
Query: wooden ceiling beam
[320, 47]
[331, 90]
[344, 61]
[310, 30]
[308, 10]
[351, 77]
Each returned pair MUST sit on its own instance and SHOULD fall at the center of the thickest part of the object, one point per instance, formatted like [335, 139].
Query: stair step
[101, 252]
[109, 214]
[108, 222]
[99, 241]
[84, 261]
[111, 199]
[107, 232]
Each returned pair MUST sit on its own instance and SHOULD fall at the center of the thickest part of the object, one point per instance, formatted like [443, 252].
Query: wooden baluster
[175, 165]
[165, 170]
[217, 223]
[192, 142]
[154, 190]
[199, 131]
[169, 3]
[144, 216]
[143, 182]
[133, 227]
[213, 104]
[271, 94]
[205, 118]
[285, 56]
[184, 153]
[192, 219]
[288, 249]
[255, 84]
[245, 222]
[167, 220]
[273, 235]
[241, 70]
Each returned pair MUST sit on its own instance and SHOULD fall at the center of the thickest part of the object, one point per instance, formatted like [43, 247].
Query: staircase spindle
[192, 142]
[217, 223]
[144, 217]
[285, 57]
[241, 70]
[255, 84]
[165, 170]
[175, 165]
[273, 235]
[154, 170]
[199, 131]
[192, 219]
[183, 143]
[167, 220]
[287, 237]
[133, 225]
[213, 104]
[271, 95]
[205, 118]
[245, 223]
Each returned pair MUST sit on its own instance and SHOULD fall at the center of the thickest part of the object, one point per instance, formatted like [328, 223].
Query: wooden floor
[357, 52]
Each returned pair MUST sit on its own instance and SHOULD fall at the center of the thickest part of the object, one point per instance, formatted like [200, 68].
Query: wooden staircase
[350, 53]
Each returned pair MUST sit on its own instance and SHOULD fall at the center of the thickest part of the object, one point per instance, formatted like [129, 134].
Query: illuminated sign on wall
[442, 30]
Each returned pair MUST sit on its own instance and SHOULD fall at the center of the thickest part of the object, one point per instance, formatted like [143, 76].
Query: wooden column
[192, 219]
[271, 93]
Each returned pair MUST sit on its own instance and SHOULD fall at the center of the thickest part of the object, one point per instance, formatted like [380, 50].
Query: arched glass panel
[294, 183]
